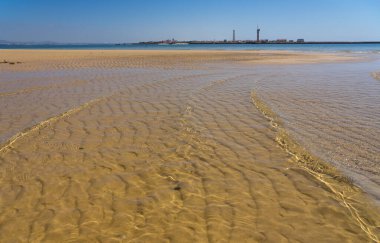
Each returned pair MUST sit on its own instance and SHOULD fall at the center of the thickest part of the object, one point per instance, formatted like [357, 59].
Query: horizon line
[5, 42]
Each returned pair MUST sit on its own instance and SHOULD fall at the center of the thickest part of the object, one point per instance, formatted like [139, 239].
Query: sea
[348, 48]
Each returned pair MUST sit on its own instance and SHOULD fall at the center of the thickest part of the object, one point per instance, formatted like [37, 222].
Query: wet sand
[333, 110]
[376, 75]
[159, 146]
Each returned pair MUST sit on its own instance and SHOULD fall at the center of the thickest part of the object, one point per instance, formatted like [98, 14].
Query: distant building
[281, 40]
[291, 41]
[233, 36]
[300, 40]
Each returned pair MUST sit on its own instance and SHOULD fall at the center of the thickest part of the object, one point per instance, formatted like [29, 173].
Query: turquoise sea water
[355, 48]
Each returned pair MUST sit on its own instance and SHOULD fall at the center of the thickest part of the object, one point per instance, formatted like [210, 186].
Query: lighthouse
[258, 34]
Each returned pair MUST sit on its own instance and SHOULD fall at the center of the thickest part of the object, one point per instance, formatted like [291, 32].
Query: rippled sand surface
[334, 110]
[159, 147]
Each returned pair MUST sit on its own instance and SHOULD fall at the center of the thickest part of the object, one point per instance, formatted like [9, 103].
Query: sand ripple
[158, 155]
[333, 111]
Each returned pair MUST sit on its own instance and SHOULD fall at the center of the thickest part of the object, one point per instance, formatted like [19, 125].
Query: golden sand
[56, 59]
[160, 146]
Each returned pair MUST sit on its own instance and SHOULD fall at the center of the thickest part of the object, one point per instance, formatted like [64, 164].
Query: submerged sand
[159, 146]
[376, 75]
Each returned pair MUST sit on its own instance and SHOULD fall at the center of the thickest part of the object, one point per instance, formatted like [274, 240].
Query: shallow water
[334, 111]
[183, 155]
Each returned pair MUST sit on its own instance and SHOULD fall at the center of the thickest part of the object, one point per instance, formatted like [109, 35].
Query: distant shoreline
[369, 47]
[188, 42]
[261, 43]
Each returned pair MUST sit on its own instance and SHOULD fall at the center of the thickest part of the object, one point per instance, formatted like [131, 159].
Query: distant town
[258, 40]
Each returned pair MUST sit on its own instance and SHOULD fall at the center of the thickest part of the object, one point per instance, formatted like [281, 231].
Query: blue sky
[141, 20]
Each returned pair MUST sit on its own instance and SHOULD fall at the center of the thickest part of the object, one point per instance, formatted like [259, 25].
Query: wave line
[7, 145]
[314, 166]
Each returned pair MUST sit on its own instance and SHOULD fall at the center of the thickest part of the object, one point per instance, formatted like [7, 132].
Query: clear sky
[104, 21]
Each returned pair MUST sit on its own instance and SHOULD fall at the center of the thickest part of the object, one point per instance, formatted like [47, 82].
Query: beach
[187, 146]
